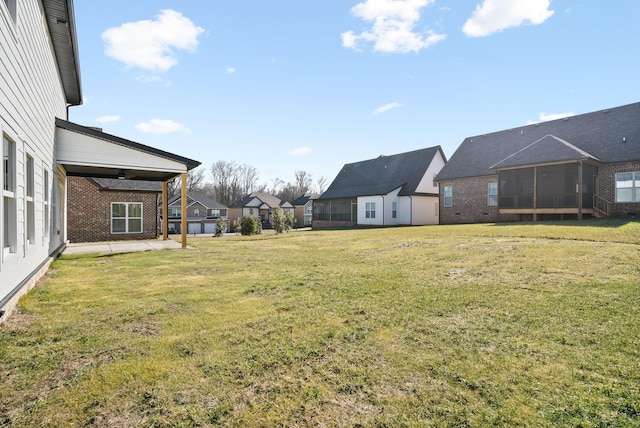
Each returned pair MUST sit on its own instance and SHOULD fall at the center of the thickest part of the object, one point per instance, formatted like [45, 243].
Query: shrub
[221, 226]
[282, 220]
[250, 225]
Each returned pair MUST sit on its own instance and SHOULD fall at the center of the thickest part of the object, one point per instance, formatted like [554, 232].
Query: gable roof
[609, 136]
[128, 185]
[382, 175]
[265, 198]
[548, 149]
[200, 198]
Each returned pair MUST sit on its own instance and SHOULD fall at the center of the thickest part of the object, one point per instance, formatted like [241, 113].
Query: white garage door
[194, 228]
[210, 228]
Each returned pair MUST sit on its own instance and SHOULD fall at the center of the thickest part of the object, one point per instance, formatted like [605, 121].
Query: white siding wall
[424, 210]
[426, 184]
[404, 210]
[31, 96]
[362, 204]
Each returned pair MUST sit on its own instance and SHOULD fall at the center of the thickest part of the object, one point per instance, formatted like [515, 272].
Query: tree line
[230, 181]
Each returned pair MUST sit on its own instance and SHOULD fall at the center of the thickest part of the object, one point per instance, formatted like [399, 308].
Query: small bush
[250, 225]
[282, 220]
[221, 226]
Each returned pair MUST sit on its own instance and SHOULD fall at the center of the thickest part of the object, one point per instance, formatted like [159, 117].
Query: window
[492, 194]
[370, 210]
[448, 196]
[45, 209]
[126, 217]
[196, 212]
[175, 212]
[31, 210]
[9, 240]
[628, 187]
[394, 210]
[12, 8]
[215, 213]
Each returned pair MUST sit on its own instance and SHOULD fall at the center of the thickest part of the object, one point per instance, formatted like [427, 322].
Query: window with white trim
[394, 210]
[9, 220]
[628, 187]
[126, 217]
[175, 212]
[492, 194]
[448, 196]
[215, 213]
[30, 200]
[45, 202]
[370, 210]
[196, 212]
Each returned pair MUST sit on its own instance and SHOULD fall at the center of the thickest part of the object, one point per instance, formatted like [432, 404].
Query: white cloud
[231, 70]
[300, 151]
[386, 107]
[161, 126]
[393, 26]
[150, 78]
[108, 119]
[543, 117]
[149, 44]
[493, 16]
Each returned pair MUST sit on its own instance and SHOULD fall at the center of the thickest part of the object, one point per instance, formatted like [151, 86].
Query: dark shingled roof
[382, 175]
[201, 198]
[266, 198]
[548, 149]
[302, 200]
[608, 136]
[128, 185]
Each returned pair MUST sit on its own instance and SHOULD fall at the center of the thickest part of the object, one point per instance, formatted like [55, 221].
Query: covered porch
[89, 152]
[548, 190]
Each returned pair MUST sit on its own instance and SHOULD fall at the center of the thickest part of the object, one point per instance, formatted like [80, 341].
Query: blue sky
[312, 85]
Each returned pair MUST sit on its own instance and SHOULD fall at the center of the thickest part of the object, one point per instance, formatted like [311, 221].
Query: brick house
[581, 166]
[107, 209]
[385, 191]
[40, 75]
[202, 214]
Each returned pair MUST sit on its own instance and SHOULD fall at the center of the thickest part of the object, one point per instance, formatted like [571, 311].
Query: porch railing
[601, 206]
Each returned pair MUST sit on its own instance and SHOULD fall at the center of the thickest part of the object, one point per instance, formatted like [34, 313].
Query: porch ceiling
[89, 152]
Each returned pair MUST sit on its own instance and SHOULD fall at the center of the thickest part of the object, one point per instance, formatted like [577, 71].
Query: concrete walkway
[114, 247]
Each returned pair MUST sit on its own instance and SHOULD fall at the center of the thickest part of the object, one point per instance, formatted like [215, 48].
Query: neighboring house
[303, 210]
[260, 205]
[385, 191]
[571, 168]
[202, 214]
[39, 81]
[108, 209]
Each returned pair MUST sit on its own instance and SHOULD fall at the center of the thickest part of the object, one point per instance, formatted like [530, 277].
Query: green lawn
[467, 326]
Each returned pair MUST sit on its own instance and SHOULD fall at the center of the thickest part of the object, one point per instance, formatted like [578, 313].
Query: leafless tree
[195, 182]
[231, 181]
[304, 181]
[321, 184]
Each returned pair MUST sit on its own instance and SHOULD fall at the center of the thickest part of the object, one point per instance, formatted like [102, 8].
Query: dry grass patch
[483, 325]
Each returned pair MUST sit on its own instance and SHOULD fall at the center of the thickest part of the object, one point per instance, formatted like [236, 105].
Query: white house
[39, 81]
[385, 191]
